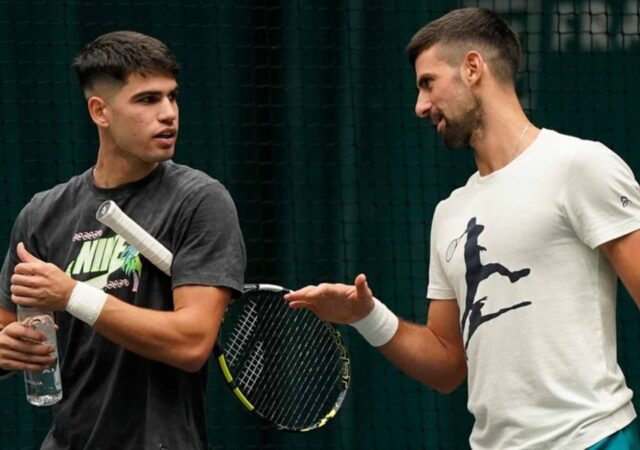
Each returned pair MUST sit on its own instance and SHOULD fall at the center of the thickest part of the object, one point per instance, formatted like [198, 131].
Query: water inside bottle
[44, 387]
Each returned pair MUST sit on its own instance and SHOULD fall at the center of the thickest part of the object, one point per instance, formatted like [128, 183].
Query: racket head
[451, 249]
[285, 365]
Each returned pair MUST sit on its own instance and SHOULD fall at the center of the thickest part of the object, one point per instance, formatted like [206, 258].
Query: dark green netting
[304, 109]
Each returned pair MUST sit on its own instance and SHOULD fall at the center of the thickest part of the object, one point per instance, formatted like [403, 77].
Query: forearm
[421, 354]
[159, 335]
[181, 338]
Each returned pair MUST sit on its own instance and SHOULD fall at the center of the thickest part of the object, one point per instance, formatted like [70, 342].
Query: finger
[19, 361]
[26, 268]
[300, 293]
[25, 347]
[18, 365]
[24, 357]
[24, 255]
[299, 304]
[20, 333]
[24, 291]
[29, 302]
[24, 280]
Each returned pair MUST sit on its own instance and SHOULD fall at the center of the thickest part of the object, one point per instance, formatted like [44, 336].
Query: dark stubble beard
[458, 131]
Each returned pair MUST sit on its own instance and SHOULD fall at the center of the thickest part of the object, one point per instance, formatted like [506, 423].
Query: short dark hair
[117, 55]
[466, 28]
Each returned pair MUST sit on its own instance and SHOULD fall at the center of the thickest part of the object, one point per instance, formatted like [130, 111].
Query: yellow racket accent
[225, 369]
[247, 404]
[323, 421]
[227, 376]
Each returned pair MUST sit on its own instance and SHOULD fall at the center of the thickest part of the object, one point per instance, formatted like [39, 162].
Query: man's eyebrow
[424, 78]
[154, 93]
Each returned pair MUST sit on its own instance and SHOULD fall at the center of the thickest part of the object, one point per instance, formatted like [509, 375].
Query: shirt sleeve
[19, 233]
[209, 249]
[602, 197]
[439, 287]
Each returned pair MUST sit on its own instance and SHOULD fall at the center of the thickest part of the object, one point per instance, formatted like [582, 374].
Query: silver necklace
[515, 151]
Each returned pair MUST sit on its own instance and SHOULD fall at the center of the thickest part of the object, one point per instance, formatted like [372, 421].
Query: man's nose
[423, 105]
[169, 110]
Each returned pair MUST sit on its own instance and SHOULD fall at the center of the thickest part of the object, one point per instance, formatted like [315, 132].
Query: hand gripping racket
[287, 366]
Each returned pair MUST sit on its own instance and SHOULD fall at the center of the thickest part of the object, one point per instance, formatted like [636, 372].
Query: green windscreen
[305, 111]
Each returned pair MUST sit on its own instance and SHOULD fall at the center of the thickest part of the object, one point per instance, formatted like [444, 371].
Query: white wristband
[379, 326]
[86, 302]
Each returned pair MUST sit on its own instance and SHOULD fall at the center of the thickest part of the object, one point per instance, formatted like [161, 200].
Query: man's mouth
[166, 134]
[167, 137]
[438, 121]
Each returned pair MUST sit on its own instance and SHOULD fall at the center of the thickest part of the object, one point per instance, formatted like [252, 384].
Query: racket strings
[241, 333]
[278, 347]
[296, 381]
[253, 369]
[312, 338]
[290, 388]
[304, 354]
[320, 397]
[321, 394]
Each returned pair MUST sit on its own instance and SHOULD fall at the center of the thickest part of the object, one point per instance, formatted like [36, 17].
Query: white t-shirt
[518, 249]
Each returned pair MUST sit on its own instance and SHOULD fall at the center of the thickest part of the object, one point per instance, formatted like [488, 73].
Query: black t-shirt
[113, 398]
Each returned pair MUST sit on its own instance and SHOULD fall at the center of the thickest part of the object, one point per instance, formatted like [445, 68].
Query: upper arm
[623, 253]
[208, 245]
[202, 309]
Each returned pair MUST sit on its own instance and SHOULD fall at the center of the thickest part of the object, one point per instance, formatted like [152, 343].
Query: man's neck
[505, 132]
[113, 172]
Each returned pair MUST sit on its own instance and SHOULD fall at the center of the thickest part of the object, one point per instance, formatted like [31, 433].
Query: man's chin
[454, 143]
[162, 155]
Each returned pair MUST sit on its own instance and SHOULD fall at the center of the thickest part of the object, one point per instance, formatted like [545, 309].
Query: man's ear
[97, 107]
[472, 67]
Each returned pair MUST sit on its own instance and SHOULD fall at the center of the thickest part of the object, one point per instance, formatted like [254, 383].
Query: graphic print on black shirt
[476, 272]
[108, 263]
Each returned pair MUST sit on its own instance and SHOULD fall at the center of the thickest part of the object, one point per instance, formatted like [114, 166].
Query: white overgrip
[112, 216]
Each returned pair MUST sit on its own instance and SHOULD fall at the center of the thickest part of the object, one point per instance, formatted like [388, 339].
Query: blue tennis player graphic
[476, 273]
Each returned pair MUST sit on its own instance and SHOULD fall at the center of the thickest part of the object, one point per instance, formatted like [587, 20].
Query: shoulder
[569, 148]
[185, 177]
[52, 197]
[563, 157]
[585, 158]
[194, 191]
[188, 182]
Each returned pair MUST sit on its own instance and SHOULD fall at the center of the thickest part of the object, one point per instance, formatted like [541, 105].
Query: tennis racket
[453, 245]
[287, 366]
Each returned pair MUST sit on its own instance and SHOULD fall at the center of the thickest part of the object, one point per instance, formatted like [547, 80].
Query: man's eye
[147, 99]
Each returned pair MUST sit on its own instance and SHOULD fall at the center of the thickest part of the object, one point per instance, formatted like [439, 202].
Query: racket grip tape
[112, 216]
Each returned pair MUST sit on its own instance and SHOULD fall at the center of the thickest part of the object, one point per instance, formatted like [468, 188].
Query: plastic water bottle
[43, 387]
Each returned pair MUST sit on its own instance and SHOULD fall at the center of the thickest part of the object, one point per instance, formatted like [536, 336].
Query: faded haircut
[467, 29]
[114, 56]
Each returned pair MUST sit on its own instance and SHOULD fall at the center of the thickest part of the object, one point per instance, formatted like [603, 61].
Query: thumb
[362, 287]
[24, 255]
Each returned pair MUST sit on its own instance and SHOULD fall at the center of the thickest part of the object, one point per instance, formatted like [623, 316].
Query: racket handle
[112, 216]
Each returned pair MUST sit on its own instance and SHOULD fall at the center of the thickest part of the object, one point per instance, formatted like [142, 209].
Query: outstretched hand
[337, 303]
[36, 283]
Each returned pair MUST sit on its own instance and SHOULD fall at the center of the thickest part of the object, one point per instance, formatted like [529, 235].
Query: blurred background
[304, 110]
